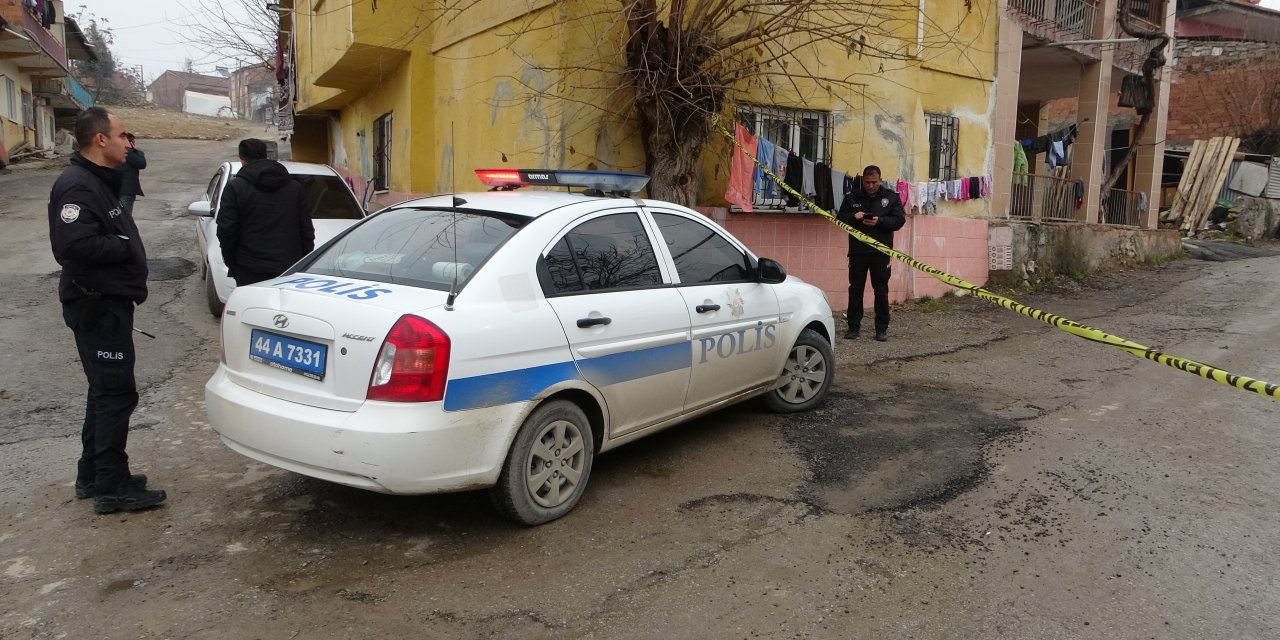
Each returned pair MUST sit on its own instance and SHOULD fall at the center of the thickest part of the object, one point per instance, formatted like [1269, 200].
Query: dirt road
[981, 475]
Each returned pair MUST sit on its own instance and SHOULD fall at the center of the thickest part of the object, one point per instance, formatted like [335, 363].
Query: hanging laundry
[822, 190]
[851, 182]
[903, 191]
[780, 155]
[837, 188]
[795, 178]
[975, 188]
[806, 182]
[741, 169]
[1020, 165]
[1057, 154]
[765, 186]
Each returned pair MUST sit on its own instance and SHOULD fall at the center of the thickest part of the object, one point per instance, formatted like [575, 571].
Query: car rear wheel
[806, 376]
[547, 468]
[211, 292]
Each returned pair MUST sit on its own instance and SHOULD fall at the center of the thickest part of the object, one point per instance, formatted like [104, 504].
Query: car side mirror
[769, 271]
[202, 208]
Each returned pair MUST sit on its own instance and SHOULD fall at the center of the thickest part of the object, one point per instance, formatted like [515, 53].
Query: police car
[502, 339]
[331, 204]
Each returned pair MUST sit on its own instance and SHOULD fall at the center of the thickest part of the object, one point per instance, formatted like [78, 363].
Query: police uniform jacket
[263, 222]
[96, 243]
[884, 205]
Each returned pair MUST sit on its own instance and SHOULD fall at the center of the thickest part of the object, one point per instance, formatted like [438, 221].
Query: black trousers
[105, 345]
[878, 265]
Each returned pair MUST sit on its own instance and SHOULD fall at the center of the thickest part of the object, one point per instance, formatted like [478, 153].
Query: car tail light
[413, 364]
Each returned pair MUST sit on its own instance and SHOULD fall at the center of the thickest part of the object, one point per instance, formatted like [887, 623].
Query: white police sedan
[502, 339]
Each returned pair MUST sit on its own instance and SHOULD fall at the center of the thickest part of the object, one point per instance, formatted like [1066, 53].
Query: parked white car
[502, 339]
[333, 208]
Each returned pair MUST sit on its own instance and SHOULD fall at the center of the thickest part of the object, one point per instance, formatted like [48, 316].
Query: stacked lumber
[1202, 179]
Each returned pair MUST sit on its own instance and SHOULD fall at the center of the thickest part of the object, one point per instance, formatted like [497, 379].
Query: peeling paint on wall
[892, 130]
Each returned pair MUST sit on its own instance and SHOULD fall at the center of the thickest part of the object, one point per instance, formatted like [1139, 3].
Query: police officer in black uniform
[877, 212]
[104, 274]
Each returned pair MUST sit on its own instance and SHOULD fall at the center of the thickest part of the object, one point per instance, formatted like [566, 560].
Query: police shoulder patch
[884, 202]
[70, 213]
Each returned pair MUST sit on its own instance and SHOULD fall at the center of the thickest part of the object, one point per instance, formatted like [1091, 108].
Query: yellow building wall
[13, 134]
[470, 95]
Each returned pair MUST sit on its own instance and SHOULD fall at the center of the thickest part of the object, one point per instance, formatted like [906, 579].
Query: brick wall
[1223, 88]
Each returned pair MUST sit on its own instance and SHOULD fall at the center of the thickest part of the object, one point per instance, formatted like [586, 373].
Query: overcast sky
[150, 33]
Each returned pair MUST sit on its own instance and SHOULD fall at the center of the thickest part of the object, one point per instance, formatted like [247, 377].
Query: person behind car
[263, 223]
[130, 187]
[104, 275]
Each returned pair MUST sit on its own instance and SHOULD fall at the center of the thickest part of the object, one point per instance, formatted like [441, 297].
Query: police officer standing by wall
[876, 211]
[104, 274]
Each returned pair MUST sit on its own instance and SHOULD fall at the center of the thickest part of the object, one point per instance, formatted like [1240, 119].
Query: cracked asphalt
[980, 475]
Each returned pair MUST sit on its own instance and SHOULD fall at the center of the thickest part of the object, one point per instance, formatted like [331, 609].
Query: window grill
[805, 133]
[944, 130]
[382, 153]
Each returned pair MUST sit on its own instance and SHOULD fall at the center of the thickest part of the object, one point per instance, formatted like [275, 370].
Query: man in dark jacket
[877, 212]
[130, 187]
[104, 274]
[263, 223]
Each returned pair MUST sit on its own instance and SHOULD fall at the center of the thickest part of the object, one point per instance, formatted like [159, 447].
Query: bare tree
[241, 30]
[683, 62]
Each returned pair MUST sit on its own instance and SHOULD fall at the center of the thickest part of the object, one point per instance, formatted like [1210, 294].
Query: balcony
[1056, 20]
[63, 93]
[33, 49]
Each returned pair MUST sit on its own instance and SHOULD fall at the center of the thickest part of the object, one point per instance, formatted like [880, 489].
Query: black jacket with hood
[96, 243]
[263, 223]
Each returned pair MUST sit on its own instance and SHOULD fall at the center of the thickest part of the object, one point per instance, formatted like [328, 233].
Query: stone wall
[1043, 252]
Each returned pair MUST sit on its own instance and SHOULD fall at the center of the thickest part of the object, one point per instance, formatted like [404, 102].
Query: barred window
[805, 133]
[943, 133]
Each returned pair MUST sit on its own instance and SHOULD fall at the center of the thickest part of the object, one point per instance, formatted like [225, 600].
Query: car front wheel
[806, 376]
[548, 465]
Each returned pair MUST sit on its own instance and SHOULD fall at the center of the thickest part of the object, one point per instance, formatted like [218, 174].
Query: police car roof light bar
[614, 182]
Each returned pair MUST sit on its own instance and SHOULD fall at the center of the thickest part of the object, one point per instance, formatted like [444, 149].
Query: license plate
[289, 354]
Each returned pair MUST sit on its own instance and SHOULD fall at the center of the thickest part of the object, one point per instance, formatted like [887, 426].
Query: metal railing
[1074, 17]
[1035, 197]
[1125, 208]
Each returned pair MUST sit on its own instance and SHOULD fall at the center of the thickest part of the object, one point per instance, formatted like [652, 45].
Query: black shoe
[128, 500]
[882, 336]
[852, 334]
[136, 481]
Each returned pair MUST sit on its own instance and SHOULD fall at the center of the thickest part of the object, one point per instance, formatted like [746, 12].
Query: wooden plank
[1184, 182]
[1220, 177]
[1178, 209]
[1197, 179]
[1207, 191]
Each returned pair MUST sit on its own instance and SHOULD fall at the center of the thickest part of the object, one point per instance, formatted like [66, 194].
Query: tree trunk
[671, 153]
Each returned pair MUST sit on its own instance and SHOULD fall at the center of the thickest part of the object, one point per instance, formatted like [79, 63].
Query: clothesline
[824, 185]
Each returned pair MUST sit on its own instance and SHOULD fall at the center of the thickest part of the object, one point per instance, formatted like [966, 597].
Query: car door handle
[584, 323]
[705, 308]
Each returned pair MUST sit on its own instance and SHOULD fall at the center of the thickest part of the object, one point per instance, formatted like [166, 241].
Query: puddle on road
[169, 269]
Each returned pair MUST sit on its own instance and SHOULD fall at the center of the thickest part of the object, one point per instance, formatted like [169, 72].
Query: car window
[329, 198]
[701, 253]
[609, 252]
[418, 247]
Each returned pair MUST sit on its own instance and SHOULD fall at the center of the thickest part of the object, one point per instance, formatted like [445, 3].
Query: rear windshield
[329, 198]
[417, 247]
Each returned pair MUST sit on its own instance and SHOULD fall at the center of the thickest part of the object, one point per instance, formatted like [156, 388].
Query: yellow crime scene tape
[1208, 372]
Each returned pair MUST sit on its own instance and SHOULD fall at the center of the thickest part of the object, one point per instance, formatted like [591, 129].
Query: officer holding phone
[876, 211]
